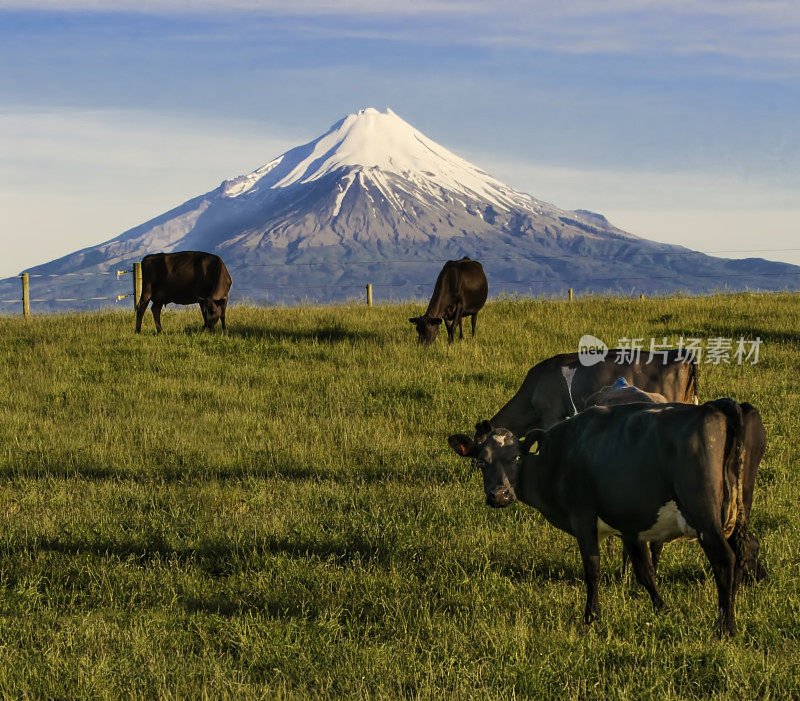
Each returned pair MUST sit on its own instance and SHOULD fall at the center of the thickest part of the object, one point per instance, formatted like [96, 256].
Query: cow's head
[498, 454]
[212, 310]
[427, 328]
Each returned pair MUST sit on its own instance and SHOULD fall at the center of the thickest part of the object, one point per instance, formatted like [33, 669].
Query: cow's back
[675, 379]
[185, 277]
[472, 284]
[630, 451]
[460, 281]
[560, 386]
[611, 396]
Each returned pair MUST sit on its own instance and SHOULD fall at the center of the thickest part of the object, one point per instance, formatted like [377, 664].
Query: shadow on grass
[175, 467]
[323, 334]
[229, 565]
[220, 559]
[222, 562]
[735, 332]
[542, 570]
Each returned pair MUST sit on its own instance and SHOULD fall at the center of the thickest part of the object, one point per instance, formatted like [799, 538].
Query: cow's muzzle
[502, 497]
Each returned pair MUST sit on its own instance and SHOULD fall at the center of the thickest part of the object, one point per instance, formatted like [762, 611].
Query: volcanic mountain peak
[371, 141]
[372, 194]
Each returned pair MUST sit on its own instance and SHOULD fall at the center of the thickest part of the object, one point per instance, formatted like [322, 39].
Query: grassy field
[277, 513]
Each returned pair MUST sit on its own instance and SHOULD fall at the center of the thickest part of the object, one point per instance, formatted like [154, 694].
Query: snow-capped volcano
[376, 143]
[373, 200]
[371, 177]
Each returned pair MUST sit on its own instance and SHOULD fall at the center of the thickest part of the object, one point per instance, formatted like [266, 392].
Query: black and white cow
[561, 386]
[642, 472]
[755, 440]
[622, 393]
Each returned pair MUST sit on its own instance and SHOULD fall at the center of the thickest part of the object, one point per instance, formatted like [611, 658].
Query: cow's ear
[483, 427]
[414, 319]
[435, 321]
[463, 445]
[533, 441]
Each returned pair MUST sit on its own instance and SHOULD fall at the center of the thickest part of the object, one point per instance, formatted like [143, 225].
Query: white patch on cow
[569, 375]
[502, 439]
[670, 524]
[604, 530]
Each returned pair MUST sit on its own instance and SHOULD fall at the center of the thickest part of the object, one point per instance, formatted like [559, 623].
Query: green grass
[276, 512]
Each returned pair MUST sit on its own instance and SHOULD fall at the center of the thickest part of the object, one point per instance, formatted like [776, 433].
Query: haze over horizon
[676, 121]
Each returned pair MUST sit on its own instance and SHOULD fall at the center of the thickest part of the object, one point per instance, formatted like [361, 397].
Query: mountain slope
[374, 200]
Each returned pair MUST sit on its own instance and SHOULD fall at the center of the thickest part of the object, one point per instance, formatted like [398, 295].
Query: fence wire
[619, 280]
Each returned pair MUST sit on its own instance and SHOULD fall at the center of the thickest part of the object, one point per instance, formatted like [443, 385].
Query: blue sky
[678, 120]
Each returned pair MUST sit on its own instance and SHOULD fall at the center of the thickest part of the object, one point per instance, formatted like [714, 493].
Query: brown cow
[185, 277]
[461, 290]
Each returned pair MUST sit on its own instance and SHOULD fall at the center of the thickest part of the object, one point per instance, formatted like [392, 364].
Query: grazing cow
[186, 277]
[642, 472]
[461, 290]
[560, 386]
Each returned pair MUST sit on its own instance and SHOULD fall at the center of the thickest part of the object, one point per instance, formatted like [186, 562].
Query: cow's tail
[692, 395]
[734, 517]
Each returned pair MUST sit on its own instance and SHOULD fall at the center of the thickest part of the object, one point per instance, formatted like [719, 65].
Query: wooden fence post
[369, 295]
[26, 296]
[137, 284]
[569, 294]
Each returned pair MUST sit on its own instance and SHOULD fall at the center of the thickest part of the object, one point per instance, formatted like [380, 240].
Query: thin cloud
[630, 190]
[765, 29]
[298, 7]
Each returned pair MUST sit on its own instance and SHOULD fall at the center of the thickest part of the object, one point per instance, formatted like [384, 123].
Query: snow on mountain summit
[373, 200]
[371, 140]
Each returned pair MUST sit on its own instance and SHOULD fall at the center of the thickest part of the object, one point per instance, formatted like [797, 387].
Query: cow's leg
[643, 569]
[739, 543]
[755, 571]
[209, 309]
[223, 306]
[156, 309]
[722, 560]
[204, 311]
[459, 318]
[586, 534]
[141, 308]
[474, 322]
[655, 552]
[450, 326]
[625, 559]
